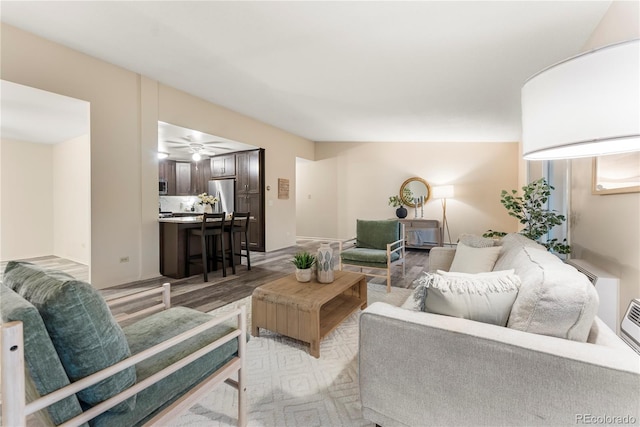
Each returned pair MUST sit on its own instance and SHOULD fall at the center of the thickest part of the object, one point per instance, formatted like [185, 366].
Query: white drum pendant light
[585, 106]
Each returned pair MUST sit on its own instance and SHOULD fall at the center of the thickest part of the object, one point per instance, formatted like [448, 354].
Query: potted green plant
[303, 261]
[399, 202]
[530, 210]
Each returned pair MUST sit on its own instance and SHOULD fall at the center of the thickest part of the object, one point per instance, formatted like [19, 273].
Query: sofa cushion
[510, 242]
[475, 241]
[376, 234]
[368, 257]
[483, 297]
[474, 260]
[82, 329]
[43, 368]
[153, 330]
[554, 299]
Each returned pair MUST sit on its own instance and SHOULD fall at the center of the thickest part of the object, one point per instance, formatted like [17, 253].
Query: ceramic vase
[303, 274]
[401, 212]
[324, 263]
[208, 208]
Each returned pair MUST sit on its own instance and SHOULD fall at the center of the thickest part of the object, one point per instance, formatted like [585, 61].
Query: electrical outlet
[124, 259]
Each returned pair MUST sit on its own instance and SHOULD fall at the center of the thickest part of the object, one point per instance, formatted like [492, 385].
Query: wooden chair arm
[165, 290]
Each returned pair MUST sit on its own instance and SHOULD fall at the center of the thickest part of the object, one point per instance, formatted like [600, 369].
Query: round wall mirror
[419, 188]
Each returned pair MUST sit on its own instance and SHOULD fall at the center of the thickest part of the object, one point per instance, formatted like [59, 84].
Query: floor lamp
[443, 192]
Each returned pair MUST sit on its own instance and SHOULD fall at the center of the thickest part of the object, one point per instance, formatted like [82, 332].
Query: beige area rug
[288, 387]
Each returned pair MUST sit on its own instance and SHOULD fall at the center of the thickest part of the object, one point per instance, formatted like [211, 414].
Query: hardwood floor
[193, 292]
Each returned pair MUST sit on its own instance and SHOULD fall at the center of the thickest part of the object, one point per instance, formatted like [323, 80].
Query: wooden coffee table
[307, 311]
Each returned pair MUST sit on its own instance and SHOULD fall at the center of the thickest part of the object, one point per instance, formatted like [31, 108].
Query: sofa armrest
[441, 258]
[424, 369]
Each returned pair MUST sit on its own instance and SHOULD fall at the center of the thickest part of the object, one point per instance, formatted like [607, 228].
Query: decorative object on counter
[303, 261]
[399, 202]
[530, 210]
[422, 207]
[324, 263]
[208, 201]
[444, 192]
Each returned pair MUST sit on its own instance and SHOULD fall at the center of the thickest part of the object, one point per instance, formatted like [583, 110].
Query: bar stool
[240, 224]
[211, 230]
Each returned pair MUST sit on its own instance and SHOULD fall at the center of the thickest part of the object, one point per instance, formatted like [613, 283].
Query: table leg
[314, 348]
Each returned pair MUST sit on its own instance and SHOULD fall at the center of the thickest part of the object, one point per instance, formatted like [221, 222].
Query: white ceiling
[35, 115]
[334, 71]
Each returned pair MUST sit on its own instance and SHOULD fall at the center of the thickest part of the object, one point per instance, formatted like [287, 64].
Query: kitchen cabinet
[167, 172]
[223, 166]
[200, 174]
[183, 179]
[250, 193]
[248, 168]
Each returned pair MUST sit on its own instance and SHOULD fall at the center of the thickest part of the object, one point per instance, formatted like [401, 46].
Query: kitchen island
[173, 239]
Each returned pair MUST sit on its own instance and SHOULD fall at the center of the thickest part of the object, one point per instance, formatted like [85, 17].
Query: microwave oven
[163, 187]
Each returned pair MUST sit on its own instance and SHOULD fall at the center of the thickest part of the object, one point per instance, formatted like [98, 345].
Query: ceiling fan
[199, 148]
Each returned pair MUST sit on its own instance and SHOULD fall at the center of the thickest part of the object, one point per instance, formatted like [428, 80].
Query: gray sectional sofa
[68, 334]
[419, 368]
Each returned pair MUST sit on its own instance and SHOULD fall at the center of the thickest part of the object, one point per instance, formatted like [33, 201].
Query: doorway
[45, 177]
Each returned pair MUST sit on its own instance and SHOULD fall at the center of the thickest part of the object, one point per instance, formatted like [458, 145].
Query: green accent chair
[66, 359]
[378, 245]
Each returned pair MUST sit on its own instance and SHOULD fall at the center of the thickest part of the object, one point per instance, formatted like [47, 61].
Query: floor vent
[630, 327]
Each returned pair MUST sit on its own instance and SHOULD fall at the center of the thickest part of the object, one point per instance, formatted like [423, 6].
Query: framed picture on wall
[616, 173]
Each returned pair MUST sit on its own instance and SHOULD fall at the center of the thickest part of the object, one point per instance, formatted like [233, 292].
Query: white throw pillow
[474, 260]
[484, 298]
[476, 275]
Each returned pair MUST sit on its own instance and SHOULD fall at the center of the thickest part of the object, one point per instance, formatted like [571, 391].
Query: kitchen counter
[174, 233]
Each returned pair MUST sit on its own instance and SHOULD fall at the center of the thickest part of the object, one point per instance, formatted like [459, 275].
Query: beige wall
[26, 180]
[125, 108]
[606, 228]
[46, 196]
[71, 192]
[354, 180]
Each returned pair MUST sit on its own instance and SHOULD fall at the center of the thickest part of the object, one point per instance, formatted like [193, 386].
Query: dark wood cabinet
[200, 174]
[248, 166]
[223, 166]
[250, 193]
[183, 179]
[167, 172]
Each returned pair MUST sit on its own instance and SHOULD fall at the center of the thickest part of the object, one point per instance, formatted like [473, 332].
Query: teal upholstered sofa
[377, 246]
[65, 357]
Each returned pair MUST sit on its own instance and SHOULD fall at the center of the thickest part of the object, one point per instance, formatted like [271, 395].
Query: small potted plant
[303, 261]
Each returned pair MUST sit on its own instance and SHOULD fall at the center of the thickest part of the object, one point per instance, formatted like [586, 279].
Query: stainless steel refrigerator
[225, 191]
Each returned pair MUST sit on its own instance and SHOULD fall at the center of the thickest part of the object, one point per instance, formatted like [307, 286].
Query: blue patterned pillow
[81, 327]
[42, 363]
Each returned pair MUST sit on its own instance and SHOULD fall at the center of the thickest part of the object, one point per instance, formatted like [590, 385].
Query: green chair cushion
[44, 371]
[81, 327]
[368, 257]
[153, 330]
[376, 234]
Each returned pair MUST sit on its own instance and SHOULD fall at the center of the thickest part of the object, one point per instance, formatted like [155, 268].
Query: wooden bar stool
[211, 230]
[240, 224]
